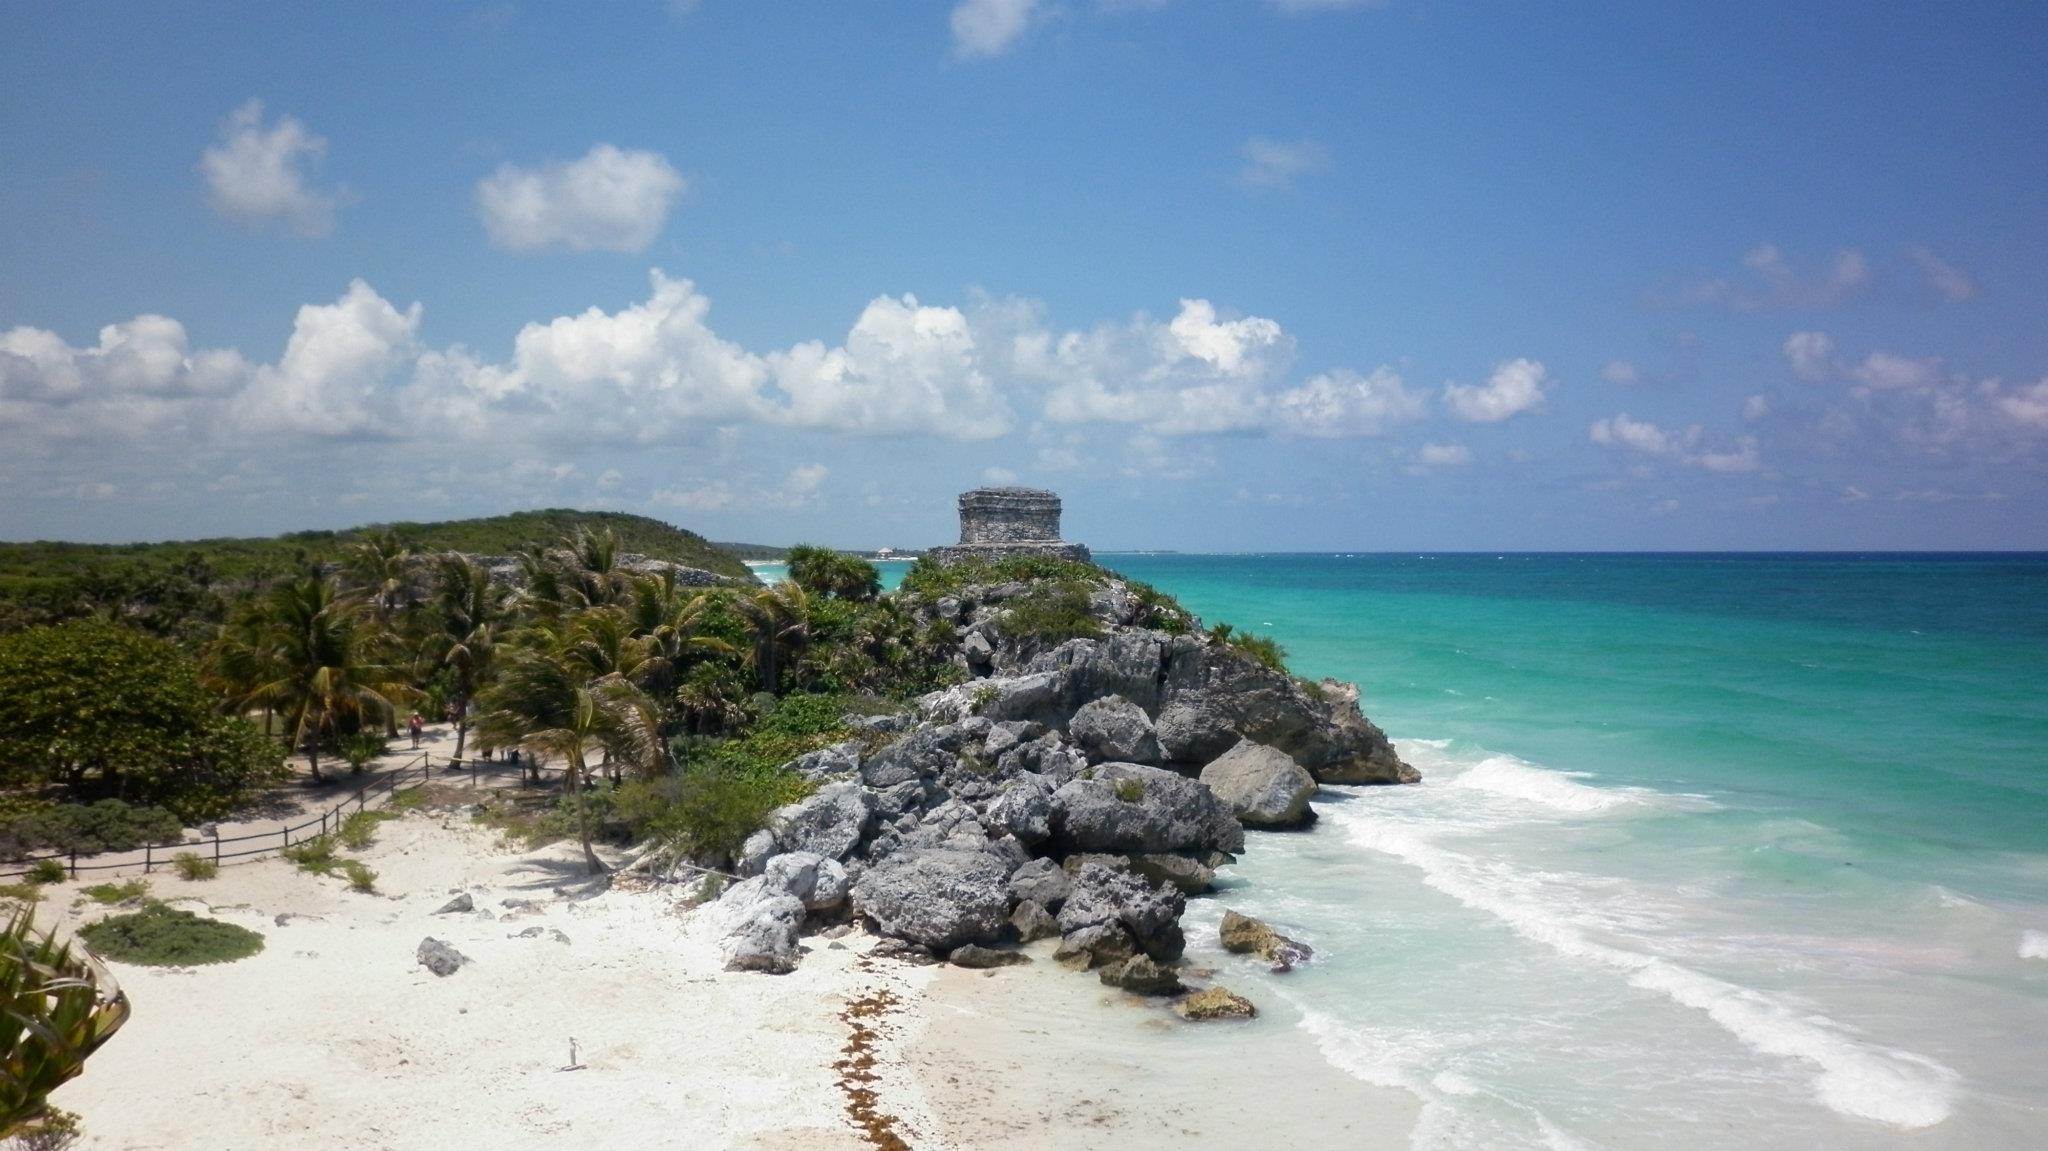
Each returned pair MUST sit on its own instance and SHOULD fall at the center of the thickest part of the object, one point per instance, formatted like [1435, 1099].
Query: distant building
[999, 522]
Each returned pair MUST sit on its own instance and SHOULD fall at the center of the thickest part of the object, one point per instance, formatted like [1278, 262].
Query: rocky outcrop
[1214, 1003]
[1263, 786]
[940, 898]
[1128, 808]
[1114, 728]
[829, 822]
[1243, 935]
[1081, 790]
[1148, 913]
[760, 927]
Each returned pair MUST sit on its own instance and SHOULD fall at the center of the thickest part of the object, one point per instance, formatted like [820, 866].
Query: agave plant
[57, 1006]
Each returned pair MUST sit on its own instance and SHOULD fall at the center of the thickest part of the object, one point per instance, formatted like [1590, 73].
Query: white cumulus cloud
[1809, 354]
[1939, 277]
[1345, 403]
[1270, 163]
[983, 28]
[612, 199]
[1642, 436]
[1516, 386]
[255, 173]
[1443, 455]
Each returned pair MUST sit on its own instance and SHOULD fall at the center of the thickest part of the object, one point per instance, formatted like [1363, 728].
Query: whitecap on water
[1559, 790]
[2034, 945]
[1851, 1077]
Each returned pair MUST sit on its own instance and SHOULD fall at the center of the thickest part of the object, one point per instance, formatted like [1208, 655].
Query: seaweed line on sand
[864, 1018]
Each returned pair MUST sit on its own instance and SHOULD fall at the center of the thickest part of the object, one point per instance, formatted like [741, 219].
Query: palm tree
[672, 621]
[550, 700]
[463, 631]
[779, 617]
[241, 659]
[323, 663]
[380, 565]
[591, 560]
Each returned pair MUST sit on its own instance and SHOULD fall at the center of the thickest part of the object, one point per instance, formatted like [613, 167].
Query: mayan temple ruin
[999, 522]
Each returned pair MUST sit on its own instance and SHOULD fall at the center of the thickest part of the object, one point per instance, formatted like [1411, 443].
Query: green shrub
[411, 799]
[1130, 790]
[360, 877]
[46, 871]
[359, 831]
[109, 825]
[25, 892]
[709, 809]
[154, 734]
[194, 867]
[1052, 613]
[931, 581]
[313, 855]
[117, 892]
[823, 572]
[1259, 648]
[362, 747]
[1160, 611]
[163, 936]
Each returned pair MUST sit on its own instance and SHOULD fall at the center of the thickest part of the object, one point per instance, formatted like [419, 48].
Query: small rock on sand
[440, 958]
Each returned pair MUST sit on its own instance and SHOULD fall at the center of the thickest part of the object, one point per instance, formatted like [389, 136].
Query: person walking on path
[418, 726]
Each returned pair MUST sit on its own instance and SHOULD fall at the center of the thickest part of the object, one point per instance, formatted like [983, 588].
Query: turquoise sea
[1711, 850]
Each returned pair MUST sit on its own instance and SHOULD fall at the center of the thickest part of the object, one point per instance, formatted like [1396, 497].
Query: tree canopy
[111, 712]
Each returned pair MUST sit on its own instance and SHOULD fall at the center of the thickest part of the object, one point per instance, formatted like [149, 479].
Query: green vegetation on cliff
[180, 588]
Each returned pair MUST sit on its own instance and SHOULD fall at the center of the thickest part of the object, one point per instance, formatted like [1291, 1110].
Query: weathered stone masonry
[998, 522]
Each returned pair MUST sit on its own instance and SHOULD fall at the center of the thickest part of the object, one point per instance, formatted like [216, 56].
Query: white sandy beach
[335, 1036]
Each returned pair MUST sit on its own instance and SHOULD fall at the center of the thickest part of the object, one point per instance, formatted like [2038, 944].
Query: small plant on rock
[1130, 790]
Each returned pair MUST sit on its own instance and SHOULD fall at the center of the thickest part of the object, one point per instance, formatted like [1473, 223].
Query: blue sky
[1228, 274]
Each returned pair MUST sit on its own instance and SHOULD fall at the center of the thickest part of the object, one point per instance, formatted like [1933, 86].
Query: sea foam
[1852, 1078]
[2034, 945]
[1519, 779]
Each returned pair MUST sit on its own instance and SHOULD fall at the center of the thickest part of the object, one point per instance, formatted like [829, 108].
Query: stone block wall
[1009, 516]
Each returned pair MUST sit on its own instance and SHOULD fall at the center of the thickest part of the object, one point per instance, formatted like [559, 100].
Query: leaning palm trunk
[575, 781]
[56, 1008]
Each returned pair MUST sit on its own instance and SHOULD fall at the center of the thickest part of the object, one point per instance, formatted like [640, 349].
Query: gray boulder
[755, 853]
[830, 821]
[1130, 809]
[1191, 876]
[1114, 728]
[820, 884]
[1032, 922]
[760, 927]
[1023, 807]
[938, 898]
[1263, 785]
[1102, 945]
[1042, 882]
[1142, 975]
[924, 753]
[1215, 695]
[439, 958]
[840, 759]
[1149, 912]
[460, 903]
[976, 956]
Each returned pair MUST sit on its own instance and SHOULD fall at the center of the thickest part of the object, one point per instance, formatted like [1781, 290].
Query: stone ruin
[996, 523]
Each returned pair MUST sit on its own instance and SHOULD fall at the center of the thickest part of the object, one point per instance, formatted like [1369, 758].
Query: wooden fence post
[216, 845]
[74, 863]
[148, 857]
